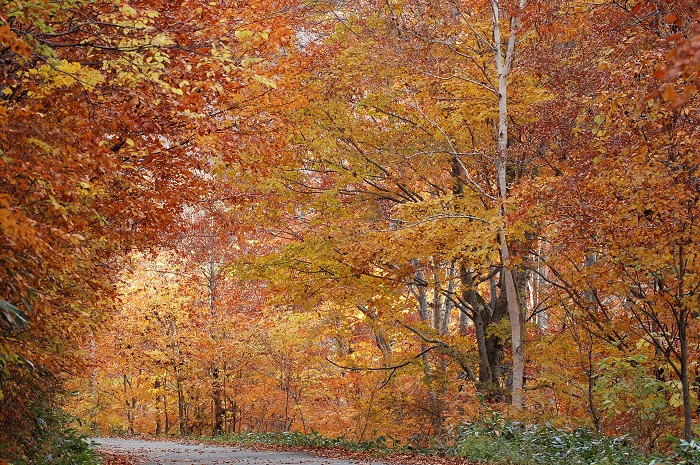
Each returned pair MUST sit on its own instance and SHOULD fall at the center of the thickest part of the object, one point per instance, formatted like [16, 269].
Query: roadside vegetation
[56, 439]
[60, 440]
[493, 441]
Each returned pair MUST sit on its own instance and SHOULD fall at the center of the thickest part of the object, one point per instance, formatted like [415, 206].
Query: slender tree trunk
[181, 406]
[165, 405]
[216, 395]
[448, 300]
[697, 390]
[382, 342]
[503, 67]
[419, 291]
[685, 383]
[156, 389]
[225, 399]
[683, 316]
[130, 405]
[286, 407]
[485, 375]
[477, 317]
[234, 416]
[212, 276]
[591, 374]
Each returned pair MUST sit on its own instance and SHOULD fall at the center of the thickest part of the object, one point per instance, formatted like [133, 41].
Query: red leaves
[120, 459]
[111, 115]
[684, 60]
[682, 68]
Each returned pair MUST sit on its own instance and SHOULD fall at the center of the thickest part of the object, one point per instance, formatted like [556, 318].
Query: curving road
[174, 453]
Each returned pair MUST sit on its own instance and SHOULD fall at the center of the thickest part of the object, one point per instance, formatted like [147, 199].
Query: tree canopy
[358, 218]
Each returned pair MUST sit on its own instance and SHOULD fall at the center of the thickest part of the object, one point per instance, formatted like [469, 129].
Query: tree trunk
[448, 301]
[216, 397]
[165, 405]
[685, 383]
[130, 405]
[483, 314]
[503, 67]
[181, 406]
[156, 389]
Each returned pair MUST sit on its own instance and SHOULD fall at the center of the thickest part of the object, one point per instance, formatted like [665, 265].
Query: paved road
[172, 453]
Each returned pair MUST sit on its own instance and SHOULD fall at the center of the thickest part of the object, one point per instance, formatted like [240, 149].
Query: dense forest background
[358, 218]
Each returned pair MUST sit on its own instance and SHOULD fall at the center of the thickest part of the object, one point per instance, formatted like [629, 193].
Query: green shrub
[496, 441]
[684, 453]
[53, 441]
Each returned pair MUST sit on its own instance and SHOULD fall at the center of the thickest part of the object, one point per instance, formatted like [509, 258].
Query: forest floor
[119, 451]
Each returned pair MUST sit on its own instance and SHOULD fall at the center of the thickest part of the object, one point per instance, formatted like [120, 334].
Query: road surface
[175, 453]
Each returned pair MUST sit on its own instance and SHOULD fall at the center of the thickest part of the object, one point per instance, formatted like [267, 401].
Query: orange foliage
[317, 216]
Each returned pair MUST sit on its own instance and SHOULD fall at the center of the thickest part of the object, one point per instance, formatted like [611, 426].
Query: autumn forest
[353, 219]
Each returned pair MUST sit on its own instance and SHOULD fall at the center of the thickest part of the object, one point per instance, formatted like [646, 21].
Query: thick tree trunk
[489, 347]
[485, 374]
[516, 326]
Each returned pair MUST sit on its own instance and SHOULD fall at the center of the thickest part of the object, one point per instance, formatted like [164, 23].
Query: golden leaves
[265, 81]
[57, 74]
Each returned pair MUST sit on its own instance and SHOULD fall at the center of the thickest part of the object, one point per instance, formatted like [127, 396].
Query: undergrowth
[54, 440]
[512, 443]
[496, 441]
